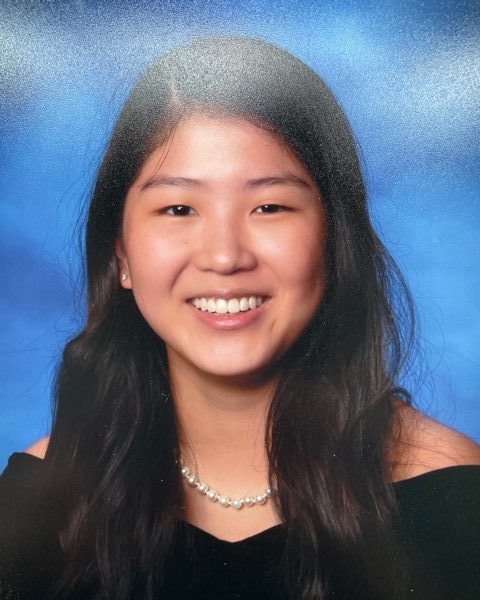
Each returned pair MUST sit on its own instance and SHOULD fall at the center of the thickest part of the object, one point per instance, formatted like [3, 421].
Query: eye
[270, 208]
[179, 210]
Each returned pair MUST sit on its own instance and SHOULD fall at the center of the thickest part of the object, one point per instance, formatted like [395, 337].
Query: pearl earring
[124, 277]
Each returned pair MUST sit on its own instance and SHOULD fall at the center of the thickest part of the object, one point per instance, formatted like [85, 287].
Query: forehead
[203, 145]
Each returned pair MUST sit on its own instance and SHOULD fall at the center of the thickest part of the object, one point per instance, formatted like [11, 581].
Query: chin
[235, 372]
[244, 371]
[236, 362]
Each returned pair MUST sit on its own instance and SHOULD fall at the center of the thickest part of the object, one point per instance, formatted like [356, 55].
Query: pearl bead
[224, 501]
[202, 488]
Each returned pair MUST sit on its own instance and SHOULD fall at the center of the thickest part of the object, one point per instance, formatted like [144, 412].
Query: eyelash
[277, 208]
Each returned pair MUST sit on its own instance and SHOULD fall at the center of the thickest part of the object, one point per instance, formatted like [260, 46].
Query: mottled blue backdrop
[407, 75]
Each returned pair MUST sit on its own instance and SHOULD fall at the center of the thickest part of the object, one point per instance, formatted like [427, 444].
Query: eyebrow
[288, 179]
[188, 182]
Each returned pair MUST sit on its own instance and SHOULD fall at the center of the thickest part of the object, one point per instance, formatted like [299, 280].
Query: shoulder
[39, 448]
[29, 514]
[437, 490]
[21, 498]
[422, 444]
[23, 477]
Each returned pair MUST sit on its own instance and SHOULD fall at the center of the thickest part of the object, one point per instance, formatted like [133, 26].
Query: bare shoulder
[424, 444]
[39, 448]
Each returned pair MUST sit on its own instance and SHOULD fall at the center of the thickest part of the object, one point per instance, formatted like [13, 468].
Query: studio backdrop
[407, 74]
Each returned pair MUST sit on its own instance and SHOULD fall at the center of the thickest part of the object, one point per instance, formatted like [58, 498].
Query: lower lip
[227, 321]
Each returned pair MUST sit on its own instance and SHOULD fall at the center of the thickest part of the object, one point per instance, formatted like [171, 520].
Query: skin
[225, 239]
[239, 230]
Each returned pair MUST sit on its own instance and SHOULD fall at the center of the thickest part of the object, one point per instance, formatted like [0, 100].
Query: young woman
[227, 424]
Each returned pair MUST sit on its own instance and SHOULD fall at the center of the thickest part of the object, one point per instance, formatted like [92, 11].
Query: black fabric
[439, 525]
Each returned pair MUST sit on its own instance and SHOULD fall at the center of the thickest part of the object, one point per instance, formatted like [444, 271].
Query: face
[223, 244]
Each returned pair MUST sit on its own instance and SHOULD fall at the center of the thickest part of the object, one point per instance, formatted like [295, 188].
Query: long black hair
[114, 447]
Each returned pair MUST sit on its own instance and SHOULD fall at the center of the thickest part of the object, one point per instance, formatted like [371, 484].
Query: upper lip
[227, 294]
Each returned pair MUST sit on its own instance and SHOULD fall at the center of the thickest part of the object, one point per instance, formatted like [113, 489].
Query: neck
[221, 426]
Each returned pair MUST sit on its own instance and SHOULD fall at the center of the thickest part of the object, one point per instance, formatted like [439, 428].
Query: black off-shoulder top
[439, 525]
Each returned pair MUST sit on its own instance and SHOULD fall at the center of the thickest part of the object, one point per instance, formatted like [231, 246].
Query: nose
[225, 247]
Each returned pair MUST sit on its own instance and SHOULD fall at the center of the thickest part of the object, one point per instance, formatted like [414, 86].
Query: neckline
[435, 473]
[264, 533]
[275, 529]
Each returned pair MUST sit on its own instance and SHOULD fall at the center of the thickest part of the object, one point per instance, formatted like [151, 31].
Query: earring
[124, 277]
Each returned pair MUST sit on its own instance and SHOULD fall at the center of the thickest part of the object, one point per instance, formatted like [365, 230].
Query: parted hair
[114, 449]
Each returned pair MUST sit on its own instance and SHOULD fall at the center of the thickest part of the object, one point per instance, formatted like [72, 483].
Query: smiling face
[223, 242]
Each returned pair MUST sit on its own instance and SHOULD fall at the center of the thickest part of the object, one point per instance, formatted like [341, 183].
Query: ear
[123, 271]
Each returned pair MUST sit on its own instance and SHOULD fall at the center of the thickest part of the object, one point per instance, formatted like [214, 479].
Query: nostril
[225, 261]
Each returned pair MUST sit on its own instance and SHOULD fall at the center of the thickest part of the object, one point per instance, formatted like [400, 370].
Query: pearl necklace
[225, 501]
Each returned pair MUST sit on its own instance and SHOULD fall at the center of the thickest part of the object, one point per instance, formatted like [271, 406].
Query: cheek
[154, 262]
[300, 259]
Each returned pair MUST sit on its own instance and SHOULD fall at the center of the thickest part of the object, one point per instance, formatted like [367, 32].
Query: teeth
[221, 306]
[232, 306]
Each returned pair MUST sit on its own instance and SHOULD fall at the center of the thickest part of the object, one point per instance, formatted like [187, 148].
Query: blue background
[408, 76]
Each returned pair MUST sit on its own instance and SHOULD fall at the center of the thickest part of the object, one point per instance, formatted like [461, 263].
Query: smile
[222, 306]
